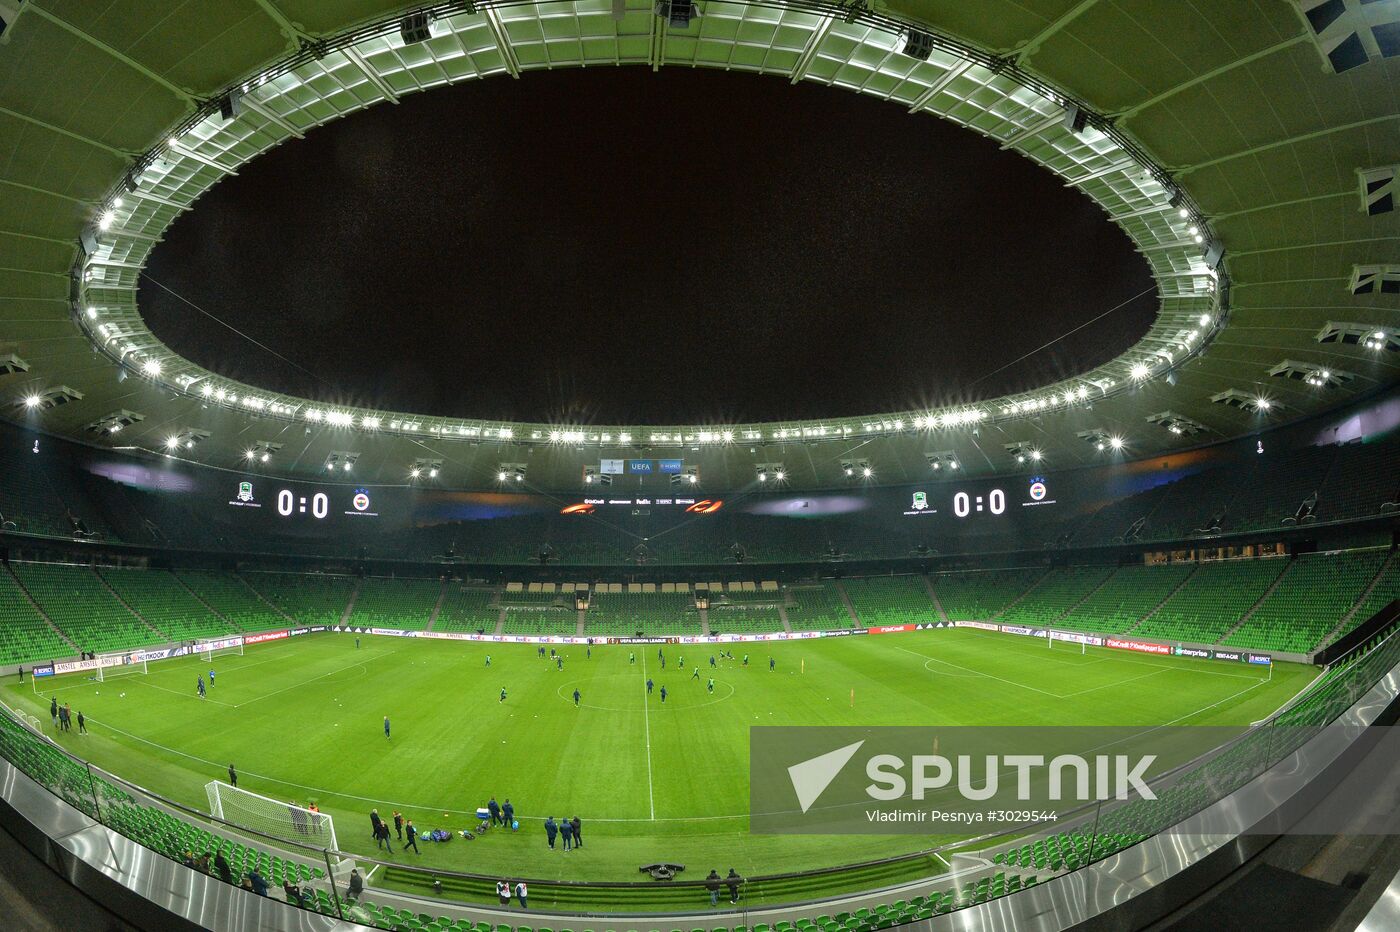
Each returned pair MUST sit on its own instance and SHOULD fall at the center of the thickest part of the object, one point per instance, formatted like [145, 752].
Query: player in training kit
[488, 660]
[632, 658]
[211, 677]
[771, 663]
[711, 685]
[386, 728]
[663, 693]
[200, 685]
[649, 685]
[503, 694]
[746, 660]
[559, 662]
[576, 698]
[712, 660]
[695, 673]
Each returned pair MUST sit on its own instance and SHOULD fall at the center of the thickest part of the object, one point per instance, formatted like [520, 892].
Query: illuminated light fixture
[780, 475]
[850, 471]
[330, 467]
[865, 472]
[347, 467]
[1115, 442]
[206, 390]
[588, 479]
[1198, 238]
[172, 443]
[519, 477]
[250, 454]
[267, 456]
[763, 477]
[500, 477]
[369, 423]
[953, 464]
[692, 478]
[1140, 371]
[107, 219]
[1205, 320]
[92, 312]
[1263, 404]
[312, 414]
[433, 473]
[151, 367]
[1035, 455]
[414, 472]
[1020, 457]
[32, 401]
[221, 394]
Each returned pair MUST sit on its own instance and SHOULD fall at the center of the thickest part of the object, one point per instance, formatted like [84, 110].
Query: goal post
[270, 816]
[119, 664]
[208, 650]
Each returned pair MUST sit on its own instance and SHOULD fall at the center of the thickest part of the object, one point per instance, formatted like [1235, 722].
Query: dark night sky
[614, 245]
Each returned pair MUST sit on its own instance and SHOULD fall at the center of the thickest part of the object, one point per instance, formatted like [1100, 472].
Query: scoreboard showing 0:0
[964, 504]
[289, 503]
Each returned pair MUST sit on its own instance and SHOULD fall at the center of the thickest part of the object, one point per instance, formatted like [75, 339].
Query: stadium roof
[1274, 127]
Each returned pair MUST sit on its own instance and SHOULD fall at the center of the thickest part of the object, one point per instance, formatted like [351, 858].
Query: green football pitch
[302, 720]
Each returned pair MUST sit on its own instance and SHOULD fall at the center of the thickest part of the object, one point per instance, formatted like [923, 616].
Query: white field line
[278, 692]
[646, 723]
[1131, 679]
[980, 673]
[1139, 661]
[183, 693]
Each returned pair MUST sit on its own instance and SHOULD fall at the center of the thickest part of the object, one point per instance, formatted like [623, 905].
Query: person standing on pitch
[576, 698]
[488, 660]
[386, 728]
[211, 677]
[508, 814]
[550, 830]
[357, 643]
[53, 711]
[566, 829]
[410, 835]
[82, 724]
[663, 695]
[771, 664]
[695, 673]
[503, 695]
[382, 836]
[576, 825]
[232, 776]
[398, 824]
[559, 662]
[374, 823]
[711, 685]
[632, 658]
[200, 686]
[494, 808]
[649, 685]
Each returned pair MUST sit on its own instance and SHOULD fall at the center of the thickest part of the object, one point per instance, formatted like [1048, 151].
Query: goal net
[208, 650]
[270, 816]
[119, 664]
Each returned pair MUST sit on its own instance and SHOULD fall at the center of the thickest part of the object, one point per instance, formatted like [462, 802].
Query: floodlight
[32, 401]
[1262, 403]
[763, 477]
[953, 464]
[268, 456]
[347, 467]
[414, 472]
[1035, 455]
[865, 471]
[1139, 370]
[250, 454]
[105, 222]
[172, 443]
[432, 473]
[780, 475]
[588, 479]
[850, 471]
[91, 312]
[692, 478]
[1116, 442]
[1020, 457]
[151, 367]
[501, 476]
[520, 477]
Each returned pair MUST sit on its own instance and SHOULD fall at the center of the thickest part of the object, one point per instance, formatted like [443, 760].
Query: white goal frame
[120, 663]
[207, 650]
[269, 816]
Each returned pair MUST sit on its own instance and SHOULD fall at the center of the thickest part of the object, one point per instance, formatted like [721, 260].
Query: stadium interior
[1201, 532]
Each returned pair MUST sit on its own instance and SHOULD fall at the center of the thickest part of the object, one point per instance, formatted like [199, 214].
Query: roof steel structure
[1261, 130]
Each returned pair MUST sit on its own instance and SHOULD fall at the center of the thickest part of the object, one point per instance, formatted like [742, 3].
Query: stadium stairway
[846, 601]
[437, 607]
[350, 605]
[1255, 607]
[933, 597]
[205, 602]
[1351, 619]
[127, 605]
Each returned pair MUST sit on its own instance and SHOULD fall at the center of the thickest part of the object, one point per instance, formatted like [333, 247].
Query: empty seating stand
[1212, 600]
[385, 602]
[1311, 599]
[977, 595]
[890, 600]
[308, 598]
[819, 607]
[80, 603]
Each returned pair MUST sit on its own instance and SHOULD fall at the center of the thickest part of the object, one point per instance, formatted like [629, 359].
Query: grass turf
[302, 720]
